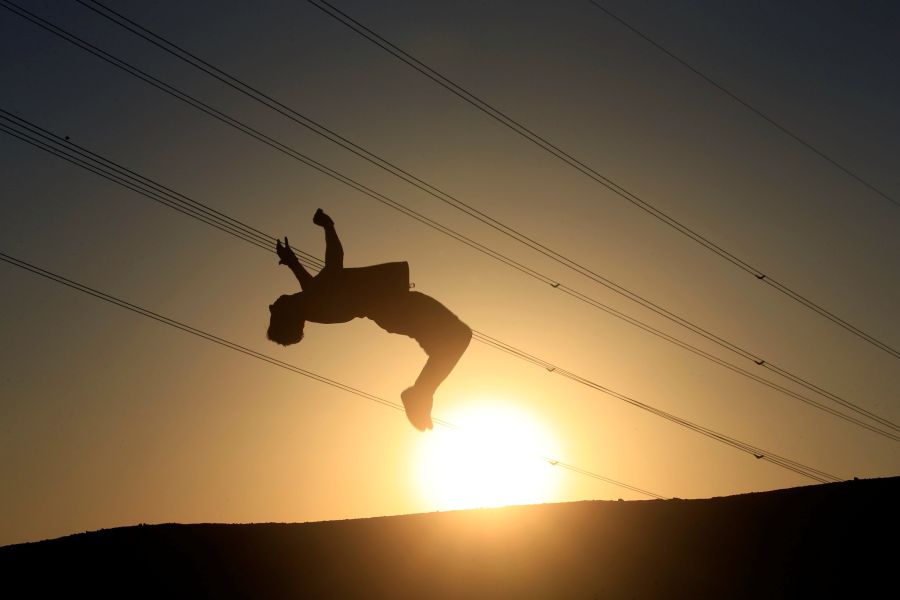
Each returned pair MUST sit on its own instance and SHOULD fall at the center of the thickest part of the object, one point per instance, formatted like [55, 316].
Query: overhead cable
[759, 113]
[274, 361]
[746, 354]
[541, 277]
[757, 452]
[591, 173]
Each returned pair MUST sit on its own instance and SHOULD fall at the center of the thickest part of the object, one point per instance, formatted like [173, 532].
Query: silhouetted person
[378, 292]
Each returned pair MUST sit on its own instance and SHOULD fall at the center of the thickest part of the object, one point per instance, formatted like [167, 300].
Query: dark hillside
[796, 543]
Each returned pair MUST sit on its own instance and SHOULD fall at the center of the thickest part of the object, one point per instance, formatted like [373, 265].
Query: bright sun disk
[497, 457]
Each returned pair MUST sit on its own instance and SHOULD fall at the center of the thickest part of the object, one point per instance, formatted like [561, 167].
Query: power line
[757, 452]
[193, 102]
[331, 135]
[269, 141]
[791, 465]
[116, 173]
[588, 171]
[459, 237]
[149, 193]
[271, 360]
[445, 197]
[759, 113]
[553, 368]
[359, 151]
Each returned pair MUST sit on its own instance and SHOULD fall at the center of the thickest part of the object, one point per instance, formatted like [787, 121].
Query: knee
[461, 338]
[465, 333]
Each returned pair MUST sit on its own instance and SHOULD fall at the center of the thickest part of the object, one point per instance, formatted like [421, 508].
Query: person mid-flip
[378, 292]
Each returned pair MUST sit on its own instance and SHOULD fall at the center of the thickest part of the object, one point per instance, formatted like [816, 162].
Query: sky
[108, 418]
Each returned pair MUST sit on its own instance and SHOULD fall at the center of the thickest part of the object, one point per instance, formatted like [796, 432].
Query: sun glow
[496, 458]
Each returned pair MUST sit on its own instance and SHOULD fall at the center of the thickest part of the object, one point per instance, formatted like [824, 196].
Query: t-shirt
[340, 295]
[381, 293]
[423, 318]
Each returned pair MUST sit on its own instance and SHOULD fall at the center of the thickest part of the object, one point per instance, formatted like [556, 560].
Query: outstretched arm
[334, 252]
[287, 257]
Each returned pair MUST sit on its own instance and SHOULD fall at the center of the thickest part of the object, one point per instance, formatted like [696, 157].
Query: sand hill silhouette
[825, 540]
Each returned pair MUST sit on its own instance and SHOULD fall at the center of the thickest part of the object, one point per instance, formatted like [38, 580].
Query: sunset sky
[108, 418]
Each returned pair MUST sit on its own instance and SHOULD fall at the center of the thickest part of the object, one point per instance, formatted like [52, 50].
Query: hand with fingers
[286, 255]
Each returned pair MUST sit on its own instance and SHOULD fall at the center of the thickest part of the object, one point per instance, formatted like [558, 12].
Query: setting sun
[495, 458]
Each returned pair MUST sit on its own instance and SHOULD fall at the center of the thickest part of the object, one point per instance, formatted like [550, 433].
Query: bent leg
[439, 332]
[441, 361]
[418, 400]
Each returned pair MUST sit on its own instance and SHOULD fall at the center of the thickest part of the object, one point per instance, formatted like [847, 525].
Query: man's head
[286, 320]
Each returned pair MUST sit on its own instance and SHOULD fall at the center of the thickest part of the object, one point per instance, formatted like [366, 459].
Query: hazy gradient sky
[108, 418]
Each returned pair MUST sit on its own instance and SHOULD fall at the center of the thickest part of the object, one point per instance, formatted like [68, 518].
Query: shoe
[418, 408]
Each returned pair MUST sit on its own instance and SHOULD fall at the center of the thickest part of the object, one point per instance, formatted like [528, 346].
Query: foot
[321, 219]
[418, 407]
